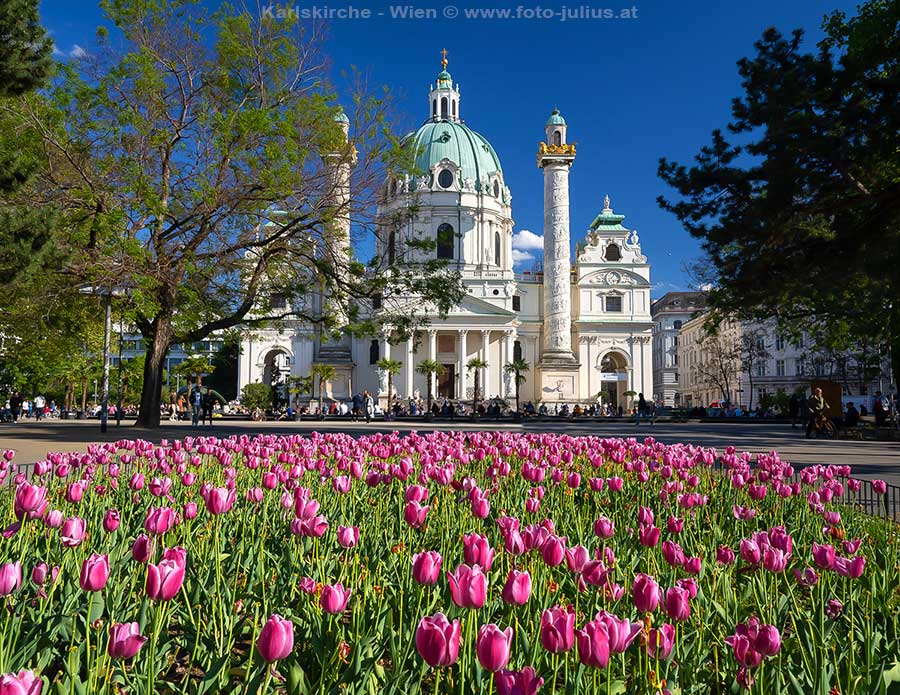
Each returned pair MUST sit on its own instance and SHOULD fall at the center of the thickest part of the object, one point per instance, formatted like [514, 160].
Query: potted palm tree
[297, 386]
[429, 367]
[325, 372]
[476, 364]
[517, 368]
[392, 368]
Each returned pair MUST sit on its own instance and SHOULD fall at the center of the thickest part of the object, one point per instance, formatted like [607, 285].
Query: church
[584, 328]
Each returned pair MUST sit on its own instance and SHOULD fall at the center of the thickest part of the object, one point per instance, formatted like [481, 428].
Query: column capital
[431, 332]
[462, 331]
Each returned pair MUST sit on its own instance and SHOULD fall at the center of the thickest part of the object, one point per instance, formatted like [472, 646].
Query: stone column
[410, 366]
[432, 355]
[463, 380]
[508, 350]
[485, 350]
[385, 353]
[557, 263]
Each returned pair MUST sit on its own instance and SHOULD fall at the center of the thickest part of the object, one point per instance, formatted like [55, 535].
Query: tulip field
[448, 562]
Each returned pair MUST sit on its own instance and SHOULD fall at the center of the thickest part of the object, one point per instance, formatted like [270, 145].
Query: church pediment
[613, 277]
[469, 307]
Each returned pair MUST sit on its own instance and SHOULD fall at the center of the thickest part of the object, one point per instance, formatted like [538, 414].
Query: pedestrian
[39, 405]
[196, 405]
[651, 411]
[794, 409]
[369, 405]
[641, 409]
[357, 407]
[15, 405]
[816, 406]
[881, 409]
[208, 405]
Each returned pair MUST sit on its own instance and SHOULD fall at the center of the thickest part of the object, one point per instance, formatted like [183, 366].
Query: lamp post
[107, 294]
[119, 404]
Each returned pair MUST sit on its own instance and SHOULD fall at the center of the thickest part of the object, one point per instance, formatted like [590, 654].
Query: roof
[679, 302]
[555, 118]
[470, 151]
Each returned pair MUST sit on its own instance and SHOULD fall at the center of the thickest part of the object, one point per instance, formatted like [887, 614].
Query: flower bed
[449, 562]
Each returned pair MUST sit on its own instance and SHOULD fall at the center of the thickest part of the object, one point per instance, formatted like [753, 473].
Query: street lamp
[107, 293]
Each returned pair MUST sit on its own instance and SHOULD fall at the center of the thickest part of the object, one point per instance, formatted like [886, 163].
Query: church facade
[584, 328]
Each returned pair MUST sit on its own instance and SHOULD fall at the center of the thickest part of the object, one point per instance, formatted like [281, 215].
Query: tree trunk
[151, 393]
[390, 392]
[321, 395]
[750, 382]
[477, 391]
[517, 393]
[84, 385]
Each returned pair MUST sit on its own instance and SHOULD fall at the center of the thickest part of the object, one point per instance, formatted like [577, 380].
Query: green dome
[556, 118]
[444, 81]
[470, 151]
[341, 117]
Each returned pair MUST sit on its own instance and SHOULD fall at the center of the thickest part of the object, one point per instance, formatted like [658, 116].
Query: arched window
[497, 248]
[496, 189]
[434, 107]
[445, 241]
[373, 352]
[517, 350]
[392, 247]
[454, 108]
[443, 107]
[613, 253]
[557, 137]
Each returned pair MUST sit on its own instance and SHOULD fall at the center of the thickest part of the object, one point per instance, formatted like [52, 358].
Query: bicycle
[824, 426]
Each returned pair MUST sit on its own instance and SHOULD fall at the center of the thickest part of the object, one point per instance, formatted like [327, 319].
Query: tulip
[437, 640]
[190, 510]
[678, 606]
[38, 574]
[334, 598]
[30, 501]
[524, 682]
[692, 565]
[674, 524]
[646, 593]
[660, 641]
[553, 550]
[468, 586]
[808, 577]
[514, 543]
[54, 519]
[276, 639]
[743, 650]
[774, 559]
[477, 551]
[111, 520]
[142, 548]
[11, 578]
[725, 555]
[417, 493]
[833, 608]
[72, 532]
[94, 572]
[426, 567]
[165, 578]
[593, 645]
[768, 640]
[493, 647]
[672, 553]
[414, 514]
[823, 556]
[159, 520]
[621, 633]
[879, 487]
[220, 500]
[481, 507]
[558, 629]
[23, 683]
[348, 537]
[517, 589]
[576, 558]
[648, 536]
[850, 567]
[125, 640]
[750, 551]
[308, 585]
[604, 528]
[645, 516]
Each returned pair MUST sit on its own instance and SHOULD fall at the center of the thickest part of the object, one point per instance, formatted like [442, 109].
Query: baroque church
[584, 328]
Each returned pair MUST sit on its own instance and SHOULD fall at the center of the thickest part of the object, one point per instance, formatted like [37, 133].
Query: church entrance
[610, 393]
[613, 379]
[446, 382]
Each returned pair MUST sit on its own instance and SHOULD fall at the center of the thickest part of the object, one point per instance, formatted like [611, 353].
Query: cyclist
[816, 406]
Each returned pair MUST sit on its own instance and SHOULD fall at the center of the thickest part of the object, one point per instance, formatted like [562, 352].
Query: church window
[373, 352]
[517, 350]
[517, 303]
[496, 189]
[454, 108]
[445, 238]
[557, 137]
[614, 303]
[676, 325]
[443, 107]
[445, 178]
[497, 248]
[613, 253]
[434, 107]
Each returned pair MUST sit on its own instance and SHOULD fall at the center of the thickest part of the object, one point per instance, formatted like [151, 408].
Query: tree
[802, 217]
[752, 351]
[476, 364]
[202, 174]
[518, 368]
[255, 396]
[297, 386]
[391, 368]
[325, 373]
[427, 368]
[194, 366]
[719, 360]
[26, 59]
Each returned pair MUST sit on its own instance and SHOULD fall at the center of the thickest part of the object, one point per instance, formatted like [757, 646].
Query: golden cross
[444, 58]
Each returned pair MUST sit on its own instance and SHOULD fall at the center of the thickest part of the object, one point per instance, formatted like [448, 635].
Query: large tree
[193, 157]
[798, 207]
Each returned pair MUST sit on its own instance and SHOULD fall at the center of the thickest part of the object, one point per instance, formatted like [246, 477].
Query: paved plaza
[869, 459]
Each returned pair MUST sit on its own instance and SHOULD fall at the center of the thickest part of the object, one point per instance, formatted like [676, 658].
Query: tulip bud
[94, 572]
[437, 640]
[125, 640]
[276, 639]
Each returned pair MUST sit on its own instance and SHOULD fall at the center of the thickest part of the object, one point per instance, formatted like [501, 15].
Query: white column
[385, 353]
[590, 371]
[463, 380]
[485, 354]
[409, 364]
[508, 349]
[432, 355]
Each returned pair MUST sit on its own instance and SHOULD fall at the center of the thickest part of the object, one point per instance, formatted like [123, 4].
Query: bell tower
[443, 97]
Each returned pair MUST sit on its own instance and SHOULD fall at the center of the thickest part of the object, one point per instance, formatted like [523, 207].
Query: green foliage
[26, 50]
[256, 395]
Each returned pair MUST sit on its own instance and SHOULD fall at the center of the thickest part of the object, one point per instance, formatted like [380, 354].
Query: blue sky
[632, 90]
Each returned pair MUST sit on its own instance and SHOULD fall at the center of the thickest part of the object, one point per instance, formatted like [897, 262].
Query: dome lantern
[443, 98]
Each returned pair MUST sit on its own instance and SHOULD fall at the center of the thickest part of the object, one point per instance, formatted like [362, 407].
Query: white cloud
[77, 52]
[527, 241]
[521, 256]
[705, 287]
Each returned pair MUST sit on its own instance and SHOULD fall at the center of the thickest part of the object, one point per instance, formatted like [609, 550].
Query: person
[451, 410]
[15, 406]
[208, 404]
[794, 409]
[651, 411]
[816, 406]
[879, 409]
[369, 405]
[543, 410]
[39, 404]
[196, 405]
[641, 409]
[851, 418]
[413, 408]
[357, 407]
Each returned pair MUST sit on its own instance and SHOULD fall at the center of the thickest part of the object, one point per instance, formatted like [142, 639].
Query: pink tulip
[415, 493]
[220, 500]
[604, 528]
[514, 543]
[111, 520]
[437, 640]
[477, 550]
[10, 578]
[54, 519]
[660, 641]
[692, 565]
[159, 520]
[468, 586]
[524, 682]
[768, 640]
[553, 551]
[348, 537]
[833, 608]
[593, 645]
[517, 589]
[674, 524]
[125, 640]
[558, 629]
[823, 556]
[648, 536]
[672, 553]
[165, 578]
[621, 632]
[30, 501]
[481, 507]
[646, 593]
[576, 558]
[750, 551]
[276, 639]
[690, 584]
[23, 683]
[426, 567]
[189, 511]
[850, 567]
[142, 548]
[743, 650]
[725, 555]
[493, 647]
[38, 573]
[645, 516]
[94, 572]
[808, 577]
[414, 514]
[308, 585]
[678, 606]
[334, 598]
[774, 559]
[879, 487]
[72, 532]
